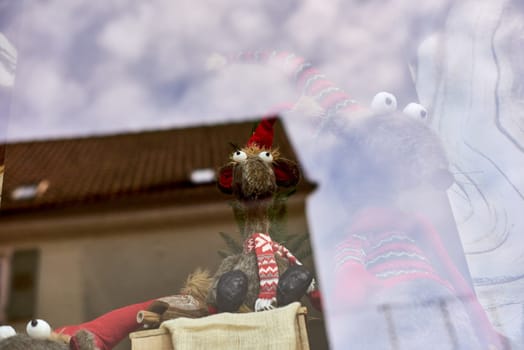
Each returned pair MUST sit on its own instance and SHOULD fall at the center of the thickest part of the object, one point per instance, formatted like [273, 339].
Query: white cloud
[127, 36]
[125, 100]
[50, 91]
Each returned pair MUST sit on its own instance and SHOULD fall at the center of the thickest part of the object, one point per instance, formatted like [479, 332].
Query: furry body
[388, 155]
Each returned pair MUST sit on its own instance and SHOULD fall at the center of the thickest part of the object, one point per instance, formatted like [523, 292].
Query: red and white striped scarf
[265, 249]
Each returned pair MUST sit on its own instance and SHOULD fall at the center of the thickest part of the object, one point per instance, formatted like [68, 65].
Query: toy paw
[231, 291]
[293, 284]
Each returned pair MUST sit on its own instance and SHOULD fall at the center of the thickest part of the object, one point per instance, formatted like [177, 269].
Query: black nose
[34, 323]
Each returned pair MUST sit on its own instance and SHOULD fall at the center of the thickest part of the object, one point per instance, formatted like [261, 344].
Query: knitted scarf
[314, 89]
[265, 249]
[308, 80]
[384, 249]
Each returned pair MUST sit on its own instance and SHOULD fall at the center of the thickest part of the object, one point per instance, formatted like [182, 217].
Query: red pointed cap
[263, 134]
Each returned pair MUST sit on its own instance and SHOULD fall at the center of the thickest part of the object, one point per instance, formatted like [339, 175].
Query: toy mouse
[265, 274]
[107, 330]
[39, 336]
[390, 263]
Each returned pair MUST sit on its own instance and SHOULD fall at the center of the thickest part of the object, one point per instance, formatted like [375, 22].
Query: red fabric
[267, 265]
[212, 310]
[110, 328]
[265, 249]
[315, 298]
[263, 134]
[354, 284]
[225, 179]
[285, 175]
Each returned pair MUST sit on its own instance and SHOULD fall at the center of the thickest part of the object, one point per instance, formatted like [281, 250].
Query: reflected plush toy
[107, 330]
[39, 336]
[391, 256]
[266, 274]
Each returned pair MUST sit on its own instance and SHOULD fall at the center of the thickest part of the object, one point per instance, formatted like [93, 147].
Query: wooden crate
[154, 339]
[160, 339]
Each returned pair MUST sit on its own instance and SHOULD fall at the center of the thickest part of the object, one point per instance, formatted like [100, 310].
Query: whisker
[471, 183]
[466, 180]
[467, 172]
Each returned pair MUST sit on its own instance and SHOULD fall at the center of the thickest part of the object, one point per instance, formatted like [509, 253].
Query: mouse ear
[225, 179]
[286, 172]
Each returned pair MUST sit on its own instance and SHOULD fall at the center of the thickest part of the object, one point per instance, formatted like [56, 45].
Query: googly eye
[38, 329]
[266, 156]
[6, 332]
[416, 111]
[239, 156]
[384, 102]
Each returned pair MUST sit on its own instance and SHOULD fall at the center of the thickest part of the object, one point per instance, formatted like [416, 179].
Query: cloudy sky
[90, 67]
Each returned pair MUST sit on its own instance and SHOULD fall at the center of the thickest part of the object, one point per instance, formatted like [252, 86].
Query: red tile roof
[124, 166]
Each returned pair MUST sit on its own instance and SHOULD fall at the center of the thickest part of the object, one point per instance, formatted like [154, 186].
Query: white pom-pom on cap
[6, 332]
[384, 102]
[38, 329]
[216, 62]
